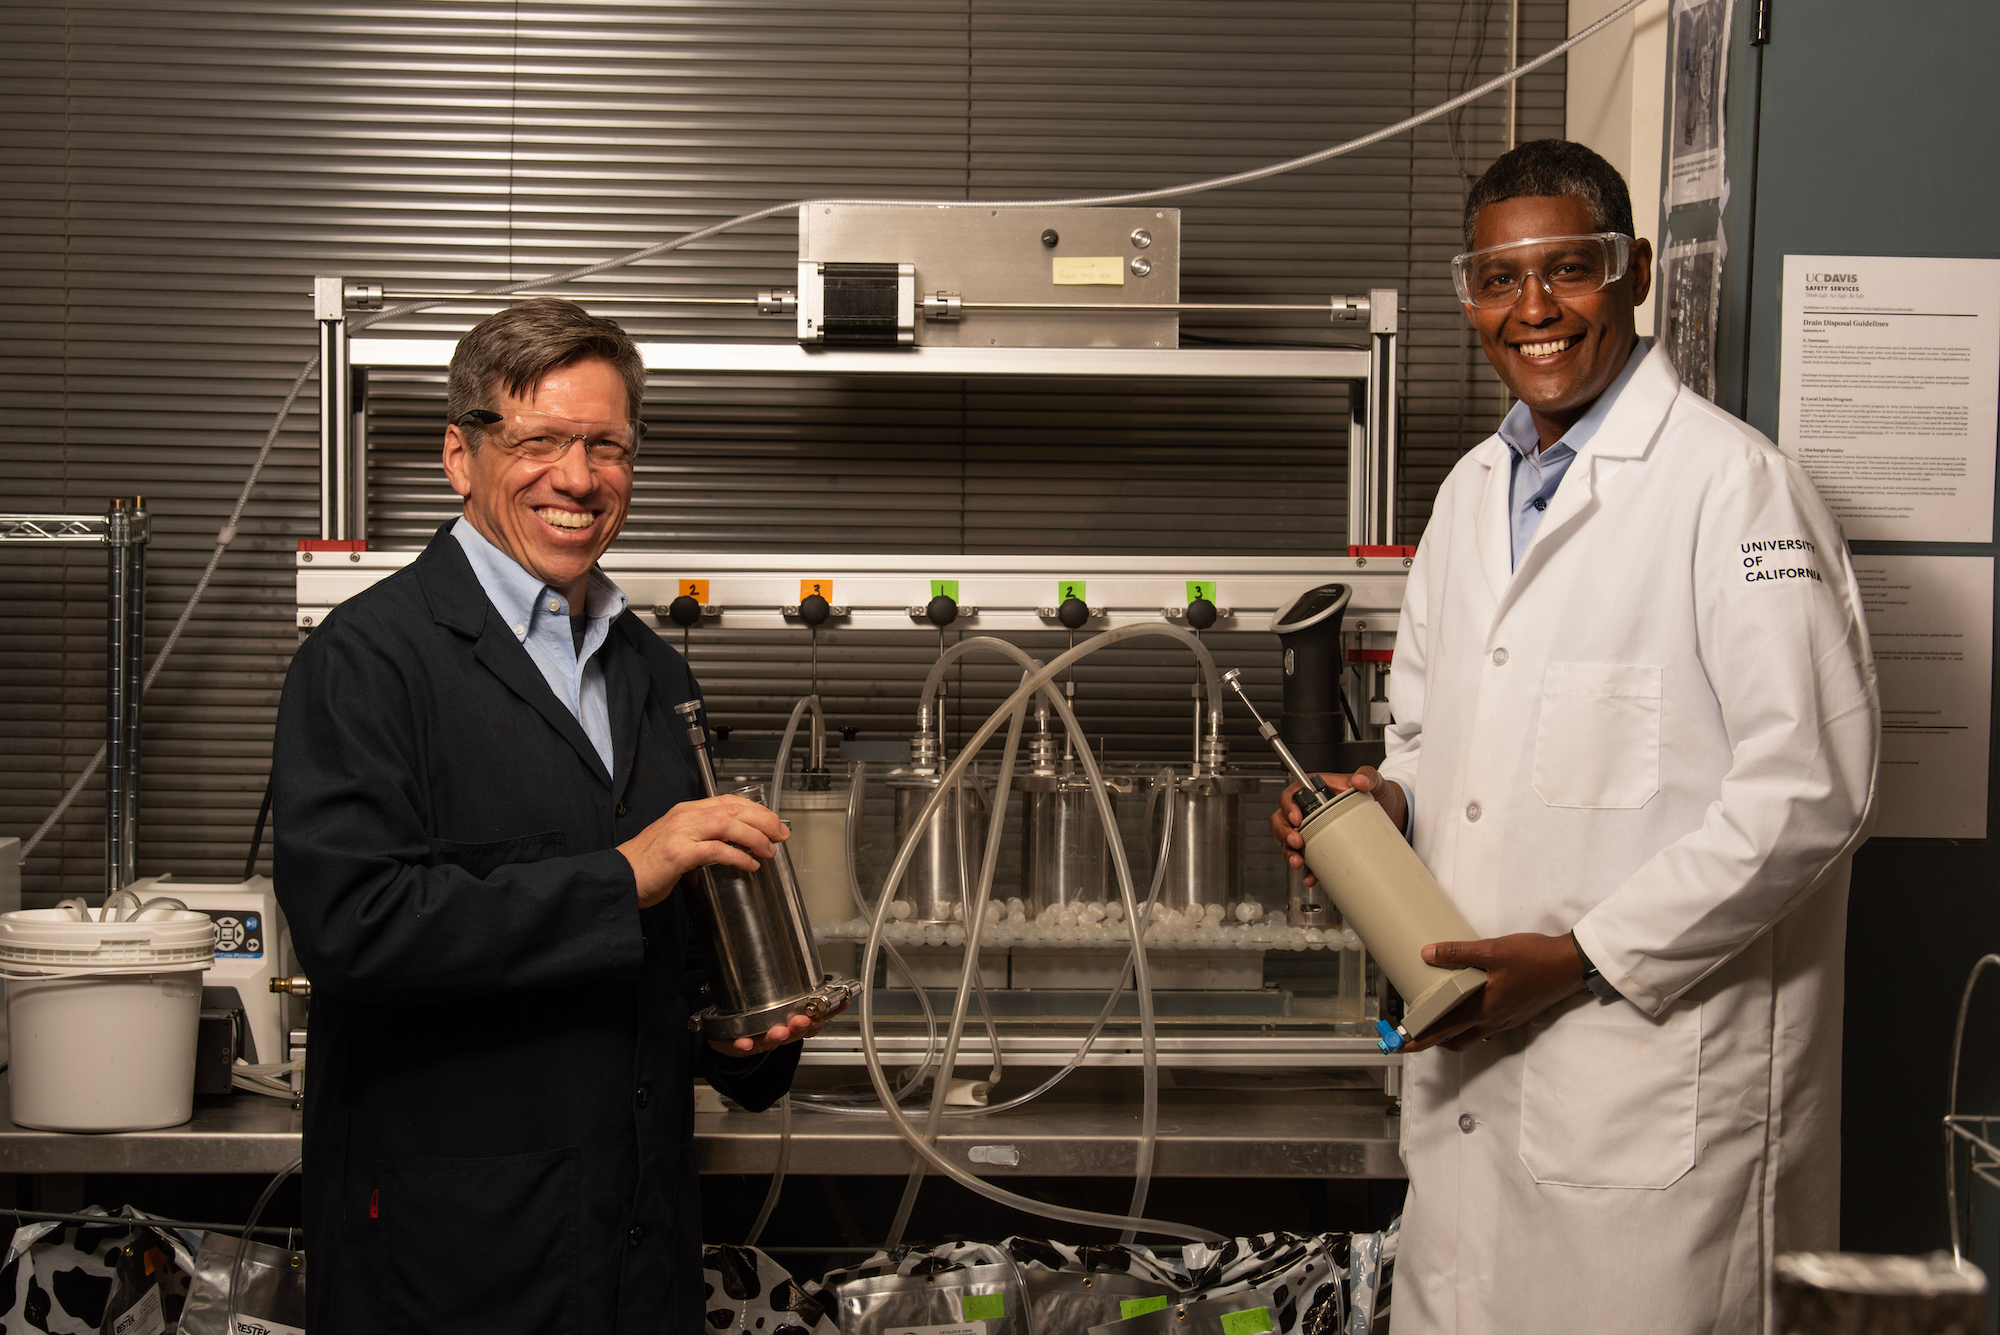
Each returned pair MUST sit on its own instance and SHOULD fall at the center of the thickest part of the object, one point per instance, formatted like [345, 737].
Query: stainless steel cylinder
[1308, 905]
[763, 966]
[1064, 858]
[945, 869]
[1205, 859]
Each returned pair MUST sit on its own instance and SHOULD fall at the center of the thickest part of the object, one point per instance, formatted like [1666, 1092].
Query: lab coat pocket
[479, 1244]
[483, 859]
[1608, 1097]
[1598, 742]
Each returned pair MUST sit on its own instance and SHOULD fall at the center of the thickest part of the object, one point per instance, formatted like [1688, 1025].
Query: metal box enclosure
[997, 255]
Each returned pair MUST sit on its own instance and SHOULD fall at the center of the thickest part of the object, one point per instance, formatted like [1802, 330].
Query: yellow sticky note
[1089, 271]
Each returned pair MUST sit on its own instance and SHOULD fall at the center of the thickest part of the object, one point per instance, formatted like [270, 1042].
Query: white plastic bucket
[103, 1017]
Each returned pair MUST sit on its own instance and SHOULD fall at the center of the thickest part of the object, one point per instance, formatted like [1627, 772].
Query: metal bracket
[53, 528]
[1180, 613]
[792, 610]
[1050, 613]
[707, 610]
[921, 613]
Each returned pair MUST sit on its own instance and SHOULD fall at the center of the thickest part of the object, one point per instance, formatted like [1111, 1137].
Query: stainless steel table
[1206, 1133]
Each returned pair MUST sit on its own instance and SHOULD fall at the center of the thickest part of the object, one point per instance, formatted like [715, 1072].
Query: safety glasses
[1565, 266]
[541, 438]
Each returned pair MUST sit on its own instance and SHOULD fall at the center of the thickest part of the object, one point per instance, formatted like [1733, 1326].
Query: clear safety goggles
[542, 438]
[1565, 266]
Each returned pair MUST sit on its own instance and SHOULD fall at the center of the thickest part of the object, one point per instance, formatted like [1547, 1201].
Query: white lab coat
[1661, 734]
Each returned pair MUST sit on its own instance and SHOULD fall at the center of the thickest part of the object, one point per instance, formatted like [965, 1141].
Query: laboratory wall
[173, 175]
[1869, 129]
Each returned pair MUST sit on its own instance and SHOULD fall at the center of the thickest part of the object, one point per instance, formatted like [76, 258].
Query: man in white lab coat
[1635, 740]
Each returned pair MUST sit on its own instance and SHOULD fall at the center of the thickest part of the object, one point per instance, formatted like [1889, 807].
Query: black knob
[941, 611]
[1073, 613]
[1049, 237]
[1201, 614]
[814, 610]
[849, 734]
[721, 731]
[684, 611]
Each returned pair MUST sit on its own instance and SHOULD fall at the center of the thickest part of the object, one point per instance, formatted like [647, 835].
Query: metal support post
[337, 501]
[124, 657]
[1382, 416]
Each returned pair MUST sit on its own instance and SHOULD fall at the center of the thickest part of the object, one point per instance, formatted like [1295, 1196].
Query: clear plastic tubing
[785, 745]
[975, 920]
[1075, 1059]
[963, 647]
[1039, 681]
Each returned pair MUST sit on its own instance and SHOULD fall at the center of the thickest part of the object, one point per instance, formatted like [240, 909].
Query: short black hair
[1550, 168]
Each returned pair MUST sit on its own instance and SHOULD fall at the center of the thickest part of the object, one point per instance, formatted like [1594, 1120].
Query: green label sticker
[945, 588]
[1070, 588]
[993, 1307]
[1201, 588]
[1249, 1322]
[1131, 1307]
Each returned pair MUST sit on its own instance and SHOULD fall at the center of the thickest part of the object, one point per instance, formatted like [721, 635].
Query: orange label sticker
[809, 587]
[696, 589]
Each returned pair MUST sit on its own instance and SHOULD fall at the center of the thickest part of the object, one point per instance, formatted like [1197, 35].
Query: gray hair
[1551, 168]
[509, 352]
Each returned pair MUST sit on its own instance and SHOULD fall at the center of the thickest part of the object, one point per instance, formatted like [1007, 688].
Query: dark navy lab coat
[499, 1090]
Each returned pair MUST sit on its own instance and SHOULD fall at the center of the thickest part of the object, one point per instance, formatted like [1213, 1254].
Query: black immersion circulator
[1309, 631]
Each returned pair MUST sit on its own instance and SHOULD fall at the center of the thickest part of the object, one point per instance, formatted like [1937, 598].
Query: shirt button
[520, 631]
[621, 808]
[1472, 811]
[643, 1095]
[554, 606]
[1465, 1124]
[1541, 503]
[636, 1236]
[1499, 658]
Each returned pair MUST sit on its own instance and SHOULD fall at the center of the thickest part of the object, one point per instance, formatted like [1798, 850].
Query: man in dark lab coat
[484, 803]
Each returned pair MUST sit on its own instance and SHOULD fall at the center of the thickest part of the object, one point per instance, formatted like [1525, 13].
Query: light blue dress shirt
[1538, 472]
[539, 618]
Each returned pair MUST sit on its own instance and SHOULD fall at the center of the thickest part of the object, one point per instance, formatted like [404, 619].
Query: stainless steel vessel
[942, 873]
[763, 966]
[1205, 859]
[1064, 856]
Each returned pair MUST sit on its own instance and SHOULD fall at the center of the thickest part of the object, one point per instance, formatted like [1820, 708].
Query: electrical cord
[228, 532]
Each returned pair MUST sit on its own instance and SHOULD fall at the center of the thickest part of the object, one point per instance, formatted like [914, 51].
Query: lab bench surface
[1264, 1135]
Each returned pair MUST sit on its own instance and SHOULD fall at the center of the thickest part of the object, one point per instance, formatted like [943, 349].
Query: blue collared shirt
[539, 618]
[1538, 472]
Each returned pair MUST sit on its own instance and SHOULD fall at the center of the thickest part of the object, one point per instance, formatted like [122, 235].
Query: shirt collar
[516, 593]
[1518, 427]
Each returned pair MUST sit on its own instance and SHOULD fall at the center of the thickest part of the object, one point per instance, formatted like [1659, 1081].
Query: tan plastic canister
[1386, 894]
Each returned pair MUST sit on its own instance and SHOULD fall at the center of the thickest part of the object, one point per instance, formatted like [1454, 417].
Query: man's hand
[776, 1036]
[1525, 975]
[1285, 820]
[730, 830]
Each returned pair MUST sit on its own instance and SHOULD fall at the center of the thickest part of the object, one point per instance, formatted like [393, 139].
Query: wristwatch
[1592, 979]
